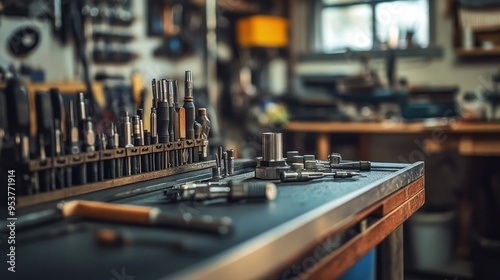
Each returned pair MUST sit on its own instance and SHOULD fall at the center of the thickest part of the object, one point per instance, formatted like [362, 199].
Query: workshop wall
[59, 62]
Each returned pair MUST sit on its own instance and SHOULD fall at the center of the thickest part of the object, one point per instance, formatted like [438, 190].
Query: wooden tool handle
[107, 211]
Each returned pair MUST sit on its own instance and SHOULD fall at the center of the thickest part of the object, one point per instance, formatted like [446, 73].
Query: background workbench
[469, 138]
[349, 216]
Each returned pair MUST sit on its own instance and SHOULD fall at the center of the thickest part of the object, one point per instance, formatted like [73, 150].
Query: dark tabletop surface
[301, 211]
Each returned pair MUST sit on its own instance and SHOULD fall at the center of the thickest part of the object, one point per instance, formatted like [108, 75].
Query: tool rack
[36, 165]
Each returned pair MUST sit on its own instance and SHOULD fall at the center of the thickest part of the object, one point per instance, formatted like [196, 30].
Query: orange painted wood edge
[343, 258]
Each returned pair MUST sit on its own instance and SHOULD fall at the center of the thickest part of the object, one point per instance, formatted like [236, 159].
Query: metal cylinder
[290, 155]
[272, 146]
[309, 157]
[297, 166]
[298, 159]
[334, 158]
[310, 164]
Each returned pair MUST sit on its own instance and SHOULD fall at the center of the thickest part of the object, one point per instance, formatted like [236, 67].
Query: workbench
[316, 229]
[469, 138]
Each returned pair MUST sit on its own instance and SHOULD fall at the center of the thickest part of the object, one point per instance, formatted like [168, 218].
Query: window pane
[347, 27]
[403, 18]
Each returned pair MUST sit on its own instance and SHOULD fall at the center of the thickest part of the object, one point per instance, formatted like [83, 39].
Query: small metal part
[170, 98]
[82, 108]
[302, 176]
[309, 157]
[272, 163]
[153, 126]
[101, 146]
[272, 147]
[226, 164]
[217, 170]
[233, 191]
[290, 155]
[126, 142]
[189, 105]
[297, 166]
[298, 159]
[334, 158]
[310, 165]
[335, 162]
[230, 159]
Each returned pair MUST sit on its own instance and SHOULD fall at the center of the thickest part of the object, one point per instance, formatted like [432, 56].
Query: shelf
[478, 52]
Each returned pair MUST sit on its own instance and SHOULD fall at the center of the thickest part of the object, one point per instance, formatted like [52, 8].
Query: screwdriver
[138, 141]
[57, 106]
[189, 110]
[143, 215]
[73, 148]
[45, 127]
[302, 176]
[233, 191]
[163, 120]
[18, 112]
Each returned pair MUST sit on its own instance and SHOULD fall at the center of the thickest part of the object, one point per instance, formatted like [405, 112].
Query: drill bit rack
[36, 166]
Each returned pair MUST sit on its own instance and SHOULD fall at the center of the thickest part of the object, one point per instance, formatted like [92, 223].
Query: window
[373, 25]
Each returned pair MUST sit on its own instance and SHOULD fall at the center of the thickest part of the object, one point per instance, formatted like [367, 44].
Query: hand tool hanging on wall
[142, 215]
[232, 191]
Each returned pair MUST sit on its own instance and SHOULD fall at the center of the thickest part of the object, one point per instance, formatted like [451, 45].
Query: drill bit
[230, 160]
[101, 146]
[155, 93]
[189, 111]
[126, 142]
[163, 120]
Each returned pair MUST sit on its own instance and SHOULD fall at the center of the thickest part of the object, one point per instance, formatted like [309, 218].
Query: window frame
[315, 34]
